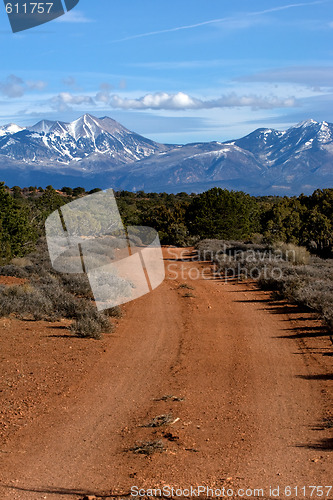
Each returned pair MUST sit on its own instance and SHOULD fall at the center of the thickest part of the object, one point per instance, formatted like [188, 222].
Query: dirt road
[244, 385]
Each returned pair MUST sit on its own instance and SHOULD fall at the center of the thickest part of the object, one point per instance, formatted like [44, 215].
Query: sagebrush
[49, 295]
[290, 271]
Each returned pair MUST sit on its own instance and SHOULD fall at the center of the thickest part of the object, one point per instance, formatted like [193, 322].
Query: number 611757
[29, 8]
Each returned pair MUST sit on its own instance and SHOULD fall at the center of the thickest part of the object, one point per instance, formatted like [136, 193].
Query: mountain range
[100, 152]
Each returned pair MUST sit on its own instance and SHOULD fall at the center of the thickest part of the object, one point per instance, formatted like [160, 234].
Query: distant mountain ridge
[101, 152]
[61, 142]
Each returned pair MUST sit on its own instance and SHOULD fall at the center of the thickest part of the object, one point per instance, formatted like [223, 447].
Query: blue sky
[175, 71]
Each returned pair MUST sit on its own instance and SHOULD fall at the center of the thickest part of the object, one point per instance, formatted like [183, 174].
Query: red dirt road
[251, 382]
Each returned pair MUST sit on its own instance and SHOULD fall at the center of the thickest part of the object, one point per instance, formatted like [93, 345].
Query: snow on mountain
[100, 151]
[42, 127]
[192, 164]
[59, 142]
[11, 128]
[265, 161]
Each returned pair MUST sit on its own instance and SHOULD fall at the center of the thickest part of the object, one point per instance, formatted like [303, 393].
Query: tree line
[181, 219]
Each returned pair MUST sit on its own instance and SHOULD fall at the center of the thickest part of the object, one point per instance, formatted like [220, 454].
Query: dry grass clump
[21, 261]
[13, 270]
[77, 284]
[169, 397]
[160, 420]
[293, 253]
[114, 312]
[26, 302]
[148, 447]
[91, 326]
[212, 250]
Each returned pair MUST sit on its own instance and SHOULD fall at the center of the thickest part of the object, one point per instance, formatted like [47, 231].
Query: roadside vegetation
[289, 271]
[45, 294]
[298, 229]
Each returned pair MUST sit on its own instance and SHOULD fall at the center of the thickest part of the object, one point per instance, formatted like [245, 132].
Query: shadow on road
[324, 376]
[185, 257]
[303, 332]
[323, 445]
[80, 493]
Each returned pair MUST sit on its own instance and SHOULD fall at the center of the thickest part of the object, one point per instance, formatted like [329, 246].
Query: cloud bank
[65, 100]
[14, 87]
[182, 101]
[166, 101]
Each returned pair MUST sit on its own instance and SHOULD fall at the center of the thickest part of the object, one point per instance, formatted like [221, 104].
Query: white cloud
[36, 85]
[165, 101]
[74, 16]
[104, 95]
[65, 100]
[161, 100]
[14, 86]
[181, 101]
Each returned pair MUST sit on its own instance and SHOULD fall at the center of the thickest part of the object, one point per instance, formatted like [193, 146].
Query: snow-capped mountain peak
[306, 123]
[84, 127]
[62, 142]
[43, 126]
[10, 128]
[109, 155]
